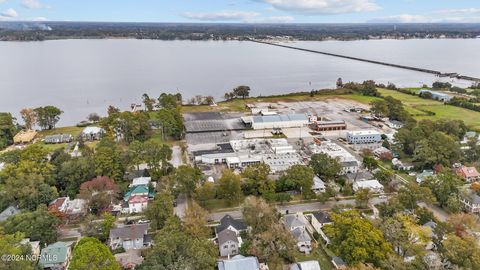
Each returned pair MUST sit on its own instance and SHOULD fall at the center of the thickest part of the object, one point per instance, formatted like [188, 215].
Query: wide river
[85, 76]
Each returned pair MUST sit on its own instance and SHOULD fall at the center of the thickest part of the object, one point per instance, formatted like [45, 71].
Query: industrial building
[277, 153]
[277, 121]
[349, 163]
[364, 137]
[328, 125]
[437, 95]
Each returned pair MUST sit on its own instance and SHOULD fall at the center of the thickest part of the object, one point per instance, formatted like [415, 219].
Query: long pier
[424, 70]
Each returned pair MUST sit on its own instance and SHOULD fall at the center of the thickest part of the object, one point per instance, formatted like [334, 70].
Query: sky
[243, 11]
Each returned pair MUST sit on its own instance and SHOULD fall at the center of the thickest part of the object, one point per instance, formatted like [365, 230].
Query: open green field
[73, 130]
[418, 106]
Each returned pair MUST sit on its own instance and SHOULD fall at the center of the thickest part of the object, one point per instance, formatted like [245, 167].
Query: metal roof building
[279, 121]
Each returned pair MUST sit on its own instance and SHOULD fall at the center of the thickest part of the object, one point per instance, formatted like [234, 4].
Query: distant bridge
[424, 70]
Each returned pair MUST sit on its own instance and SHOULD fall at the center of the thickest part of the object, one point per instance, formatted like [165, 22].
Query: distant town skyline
[244, 11]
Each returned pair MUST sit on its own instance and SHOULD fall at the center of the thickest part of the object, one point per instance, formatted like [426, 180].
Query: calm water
[84, 76]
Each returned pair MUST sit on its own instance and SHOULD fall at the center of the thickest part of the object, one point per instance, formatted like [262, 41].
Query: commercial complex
[364, 136]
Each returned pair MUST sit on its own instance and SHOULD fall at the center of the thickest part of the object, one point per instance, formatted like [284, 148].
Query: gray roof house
[56, 256]
[9, 212]
[470, 200]
[239, 262]
[228, 243]
[306, 265]
[58, 138]
[228, 222]
[129, 237]
[296, 224]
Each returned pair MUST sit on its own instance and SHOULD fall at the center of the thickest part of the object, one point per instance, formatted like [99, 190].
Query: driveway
[176, 160]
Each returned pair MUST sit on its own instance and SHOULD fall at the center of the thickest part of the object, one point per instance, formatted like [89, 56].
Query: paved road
[438, 212]
[181, 207]
[176, 156]
[306, 207]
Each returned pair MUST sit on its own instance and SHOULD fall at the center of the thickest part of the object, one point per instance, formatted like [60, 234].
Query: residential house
[24, 137]
[318, 185]
[92, 133]
[34, 245]
[468, 136]
[470, 200]
[422, 176]
[394, 124]
[469, 174]
[142, 181]
[58, 138]
[229, 243]
[59, 204]
[296, 224]
[319, 219]
[372, 185]
[136, 199]
[378, 152]
[9, 212]
[129, 237]
[239, 262]
[228, 222]
[338, 262]
[129, 259]
[437, 95]
[76, 207]
[350, 166]
[399, 165]
[56, 256]
[306, 265]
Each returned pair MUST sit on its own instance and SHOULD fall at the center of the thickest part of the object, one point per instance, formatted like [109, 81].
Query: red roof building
[470, 174]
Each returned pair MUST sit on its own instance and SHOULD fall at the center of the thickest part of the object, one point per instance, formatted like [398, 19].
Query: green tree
[73, 173]
[257, 182]
[148, 102]
[187, 178]
[464, 252]
[370, 163]
[297, 177]
[411, 194]
[171, 121]
[229, 187]
[196, 221]
[443, 186]
[438, 148]
[7, 130]
[108, 223]
[89, 253]
[38, 225]
[107, 160]
[205, 192]
[136, 151]
[363, 197]
[325, 167]
[48, 116]
[176, 249]
[10, 244]
[356, 240]
[157, 156]
[242, 91]
[258, 214]
[159, 210]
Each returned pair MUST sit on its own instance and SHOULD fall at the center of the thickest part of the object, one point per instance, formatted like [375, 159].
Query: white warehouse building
[364, 136]
[279, 121]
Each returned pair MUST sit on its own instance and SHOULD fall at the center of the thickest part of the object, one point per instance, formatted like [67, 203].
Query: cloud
[318, 7]
[461, 11]
[466, 15]
[31, 4]
[221, 16]
[402, 18]
[236, 16]
[10, 13]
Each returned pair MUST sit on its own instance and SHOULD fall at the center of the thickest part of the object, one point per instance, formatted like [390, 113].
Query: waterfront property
[437, 95]
[279, 121]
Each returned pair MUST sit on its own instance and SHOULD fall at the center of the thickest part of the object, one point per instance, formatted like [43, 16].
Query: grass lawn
[217, 204]
[318, 254]
[73, 130]
[415, 105]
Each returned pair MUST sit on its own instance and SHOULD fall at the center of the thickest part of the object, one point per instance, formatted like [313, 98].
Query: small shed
[24, 136]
